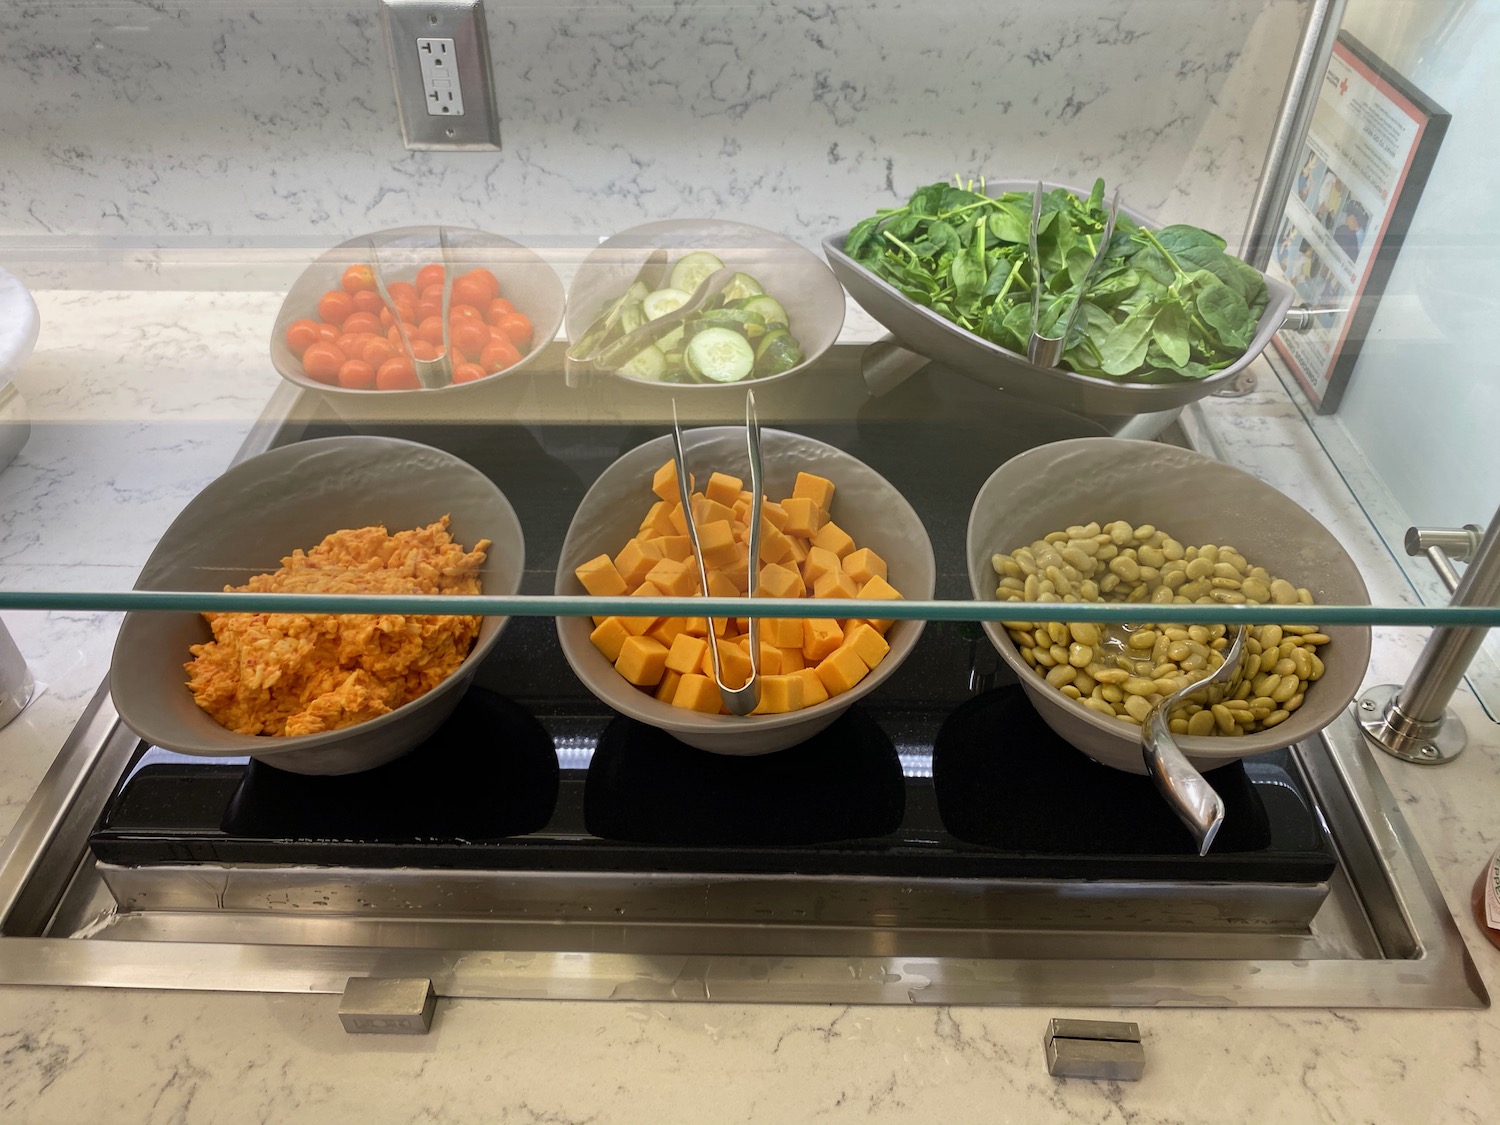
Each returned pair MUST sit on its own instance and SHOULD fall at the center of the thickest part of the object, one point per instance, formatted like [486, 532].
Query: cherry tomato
[484, 277]
[378, 350]
[300, 334]
[430, 274]
[498, 355]
[393, 334]
[431, 329]
[358, 277]
[469, 290]
[329, 332]
[368, 300]
[334, 306]
[402, 291]
[426, 308]
[356, 375]
[471, 336]
[361, 322]
[465, 312]
[397, 375]
[456, 358]
[497, 308]
[322, 361]
[468, 373]
[516, 326]
[352, 343]
[421, 349]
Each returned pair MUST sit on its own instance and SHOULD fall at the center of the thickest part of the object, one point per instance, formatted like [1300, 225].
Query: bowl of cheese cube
[833, 531]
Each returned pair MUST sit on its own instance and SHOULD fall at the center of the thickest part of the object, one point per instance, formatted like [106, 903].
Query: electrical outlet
[440, 64]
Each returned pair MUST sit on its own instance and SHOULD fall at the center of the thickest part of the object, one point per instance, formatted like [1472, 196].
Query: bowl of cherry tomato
[339, 334]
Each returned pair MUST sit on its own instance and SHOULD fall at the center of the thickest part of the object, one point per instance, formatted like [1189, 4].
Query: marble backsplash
[272, 123]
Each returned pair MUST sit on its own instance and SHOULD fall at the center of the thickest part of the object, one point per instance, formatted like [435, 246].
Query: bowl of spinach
[1169, 316]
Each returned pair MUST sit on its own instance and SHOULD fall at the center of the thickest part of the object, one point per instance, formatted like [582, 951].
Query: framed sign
[1372, 141]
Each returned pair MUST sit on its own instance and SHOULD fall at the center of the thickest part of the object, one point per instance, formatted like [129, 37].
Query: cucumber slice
[649, 366]
[778, 352]
[631, 317]
[740, 286]
[692, 269]
[768, 308]
[663, 301]
[719, 355]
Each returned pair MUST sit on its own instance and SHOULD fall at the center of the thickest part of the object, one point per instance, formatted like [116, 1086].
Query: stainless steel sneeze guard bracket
[387, 1006]
[1106, 1049]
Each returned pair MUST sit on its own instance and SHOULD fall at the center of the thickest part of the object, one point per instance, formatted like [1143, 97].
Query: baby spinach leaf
[1170, 330]
[1227, 314]
[1009, 224]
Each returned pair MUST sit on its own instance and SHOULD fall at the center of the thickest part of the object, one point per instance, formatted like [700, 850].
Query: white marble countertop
[68, 1055]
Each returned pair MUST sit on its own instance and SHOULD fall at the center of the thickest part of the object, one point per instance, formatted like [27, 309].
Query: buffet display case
[953, 786]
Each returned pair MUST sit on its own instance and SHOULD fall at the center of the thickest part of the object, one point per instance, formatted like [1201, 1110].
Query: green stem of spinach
[912, 253]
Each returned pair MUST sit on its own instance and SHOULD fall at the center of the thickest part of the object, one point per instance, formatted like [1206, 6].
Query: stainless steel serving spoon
[1196, 802]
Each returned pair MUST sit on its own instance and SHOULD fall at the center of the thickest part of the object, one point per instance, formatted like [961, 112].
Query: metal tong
[430, 372]
[1196, 802]
[1047, 350]
[604, 347]
[743, 699]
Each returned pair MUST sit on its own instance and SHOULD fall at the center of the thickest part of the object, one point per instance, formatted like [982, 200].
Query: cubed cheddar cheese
[815, 488]
[803, 517]
[666, 690]
[799, 550]
[664, 483]
[716, 542]
[687, 653]
[813, 691]
[770, 655]
[776, 513]
[678, 547]
[698, 692]
[784, 632]
[734, 664]
[878, 588]
[792, 659]
[723, 489]
[835, 584]
[841, 669]
[636, 559]
[658, 521]
[819, 562]
[639, 626]
[667, 629]
[820, 636]
[863, 565]
[642, 661]
[777, 581]
[778, 695]
[774, 546]
[866, 640]
[720, 585]
[832, 537]
[609, 636]
[674, 578]
[706, 510]
[738, 571]
[601, 578]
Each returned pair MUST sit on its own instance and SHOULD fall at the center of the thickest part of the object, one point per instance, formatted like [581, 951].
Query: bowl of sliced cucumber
[771, 307]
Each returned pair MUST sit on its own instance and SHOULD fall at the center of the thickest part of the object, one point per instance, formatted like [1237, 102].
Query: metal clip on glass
[1045, 349]
[743, 699]
[436, 372]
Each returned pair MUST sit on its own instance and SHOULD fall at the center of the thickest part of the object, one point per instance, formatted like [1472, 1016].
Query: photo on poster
[1372, 141]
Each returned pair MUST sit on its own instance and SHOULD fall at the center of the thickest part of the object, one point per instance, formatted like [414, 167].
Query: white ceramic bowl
[927, 333]
[1197, 500]
[528, 282]
[865, 505]
[813, 298]
[243, 524]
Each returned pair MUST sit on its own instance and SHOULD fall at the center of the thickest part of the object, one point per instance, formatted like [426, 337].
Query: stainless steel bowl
[923, 331]
[243, 524]
[1066, 483]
